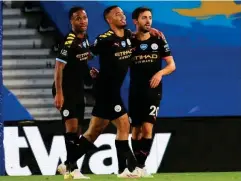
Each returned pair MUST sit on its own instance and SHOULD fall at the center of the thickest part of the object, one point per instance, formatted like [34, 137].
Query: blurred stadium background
[198, 129]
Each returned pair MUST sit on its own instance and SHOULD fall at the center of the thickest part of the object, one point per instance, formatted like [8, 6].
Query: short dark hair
[74, 10]
[107, 11]
[136, 13]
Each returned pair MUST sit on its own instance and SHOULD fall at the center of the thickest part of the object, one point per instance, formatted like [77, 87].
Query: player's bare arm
[155, 32]
[170, 67]
[58, 77]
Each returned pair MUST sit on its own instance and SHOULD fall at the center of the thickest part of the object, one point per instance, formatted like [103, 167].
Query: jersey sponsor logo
[66, 113]
[117, 108]
[124, 54]
[83, 56]
[143, 46]
[64, 52]
[139, 59]
[154, 46]
[128, 41]
[142, 57]
[123, 43]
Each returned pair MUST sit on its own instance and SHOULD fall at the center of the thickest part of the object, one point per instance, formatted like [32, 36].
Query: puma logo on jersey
[116, 44]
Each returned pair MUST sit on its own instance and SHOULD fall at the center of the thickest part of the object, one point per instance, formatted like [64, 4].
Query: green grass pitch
[217, 176]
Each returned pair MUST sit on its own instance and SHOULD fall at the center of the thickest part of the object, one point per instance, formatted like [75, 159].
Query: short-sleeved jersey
[114, 59]
[74, 52]
[146, 61]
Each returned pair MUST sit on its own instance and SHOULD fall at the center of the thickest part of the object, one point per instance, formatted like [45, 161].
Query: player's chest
[145, 53]
[121, 49]
[81, 51]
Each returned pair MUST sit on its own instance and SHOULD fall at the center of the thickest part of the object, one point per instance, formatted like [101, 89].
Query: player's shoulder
[158, 38]
[162, 37]
[70, 35]
[153, 38]
[134, 40]
[128, 33]
[106, 35]
[69, 39]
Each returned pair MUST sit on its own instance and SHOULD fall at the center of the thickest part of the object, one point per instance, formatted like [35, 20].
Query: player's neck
[78, 34]
[143, 36]
[119, 32]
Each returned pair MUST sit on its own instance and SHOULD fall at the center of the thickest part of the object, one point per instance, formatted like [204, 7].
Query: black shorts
[74, 104]
[108, 106]
[143, 108]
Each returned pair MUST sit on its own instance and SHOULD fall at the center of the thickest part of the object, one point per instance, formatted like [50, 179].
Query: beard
[121, 26]
[78, 29]
[144, 30]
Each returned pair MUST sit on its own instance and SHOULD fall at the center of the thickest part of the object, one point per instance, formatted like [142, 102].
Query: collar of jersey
[86, 36]
[151, 36]
[116, 35]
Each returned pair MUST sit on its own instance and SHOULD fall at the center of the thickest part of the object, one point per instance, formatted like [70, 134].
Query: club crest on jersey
[143, 46]
[65, 113]
[128, 41]
[123, 43]
[154, 46]
[84, 44]
[117, 108]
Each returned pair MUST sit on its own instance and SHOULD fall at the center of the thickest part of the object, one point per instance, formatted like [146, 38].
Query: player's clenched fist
[94, 72]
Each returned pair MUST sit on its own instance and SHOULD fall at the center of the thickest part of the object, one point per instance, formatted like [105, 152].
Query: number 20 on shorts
[154, 110]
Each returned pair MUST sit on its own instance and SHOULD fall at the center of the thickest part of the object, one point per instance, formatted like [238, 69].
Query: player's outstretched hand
[155, 80]
[94, 72]
[156, 32]
[59, 100]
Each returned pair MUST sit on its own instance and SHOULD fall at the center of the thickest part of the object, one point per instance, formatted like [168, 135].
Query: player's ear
[108, 19]
[135, 21]
[71, 20]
